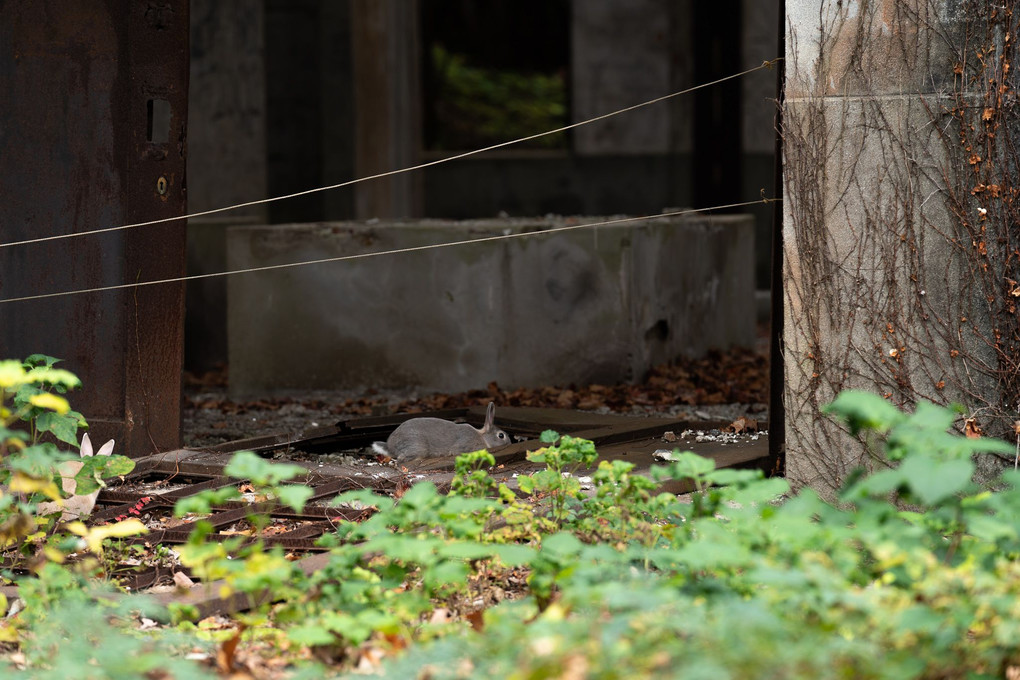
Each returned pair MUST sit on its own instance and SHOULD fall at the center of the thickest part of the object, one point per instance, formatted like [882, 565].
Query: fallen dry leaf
[225, 656]
[971, 429]
[742, 424]
[476, 619]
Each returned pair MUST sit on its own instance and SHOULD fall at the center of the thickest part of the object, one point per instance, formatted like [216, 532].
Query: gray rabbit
[435, 438]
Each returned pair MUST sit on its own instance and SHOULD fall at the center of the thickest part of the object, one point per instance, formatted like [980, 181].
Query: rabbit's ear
[490, 416]
[106, 449]
[86, 446]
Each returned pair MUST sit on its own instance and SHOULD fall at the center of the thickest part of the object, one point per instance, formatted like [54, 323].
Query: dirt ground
[722, 385]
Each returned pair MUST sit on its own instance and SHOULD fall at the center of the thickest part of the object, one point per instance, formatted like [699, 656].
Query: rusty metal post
[92, 135]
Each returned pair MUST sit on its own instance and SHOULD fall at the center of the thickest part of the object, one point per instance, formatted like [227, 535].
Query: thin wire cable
[358, 256]
[420, 166]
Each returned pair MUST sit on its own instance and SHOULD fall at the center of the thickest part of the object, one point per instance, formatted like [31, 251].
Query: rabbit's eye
[502, 435]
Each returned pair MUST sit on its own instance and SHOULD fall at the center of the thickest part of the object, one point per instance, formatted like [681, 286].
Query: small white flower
[982, 212]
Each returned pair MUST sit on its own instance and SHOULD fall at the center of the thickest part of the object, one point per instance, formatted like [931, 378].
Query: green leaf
[63, 426]
[876, 485]
[38, 460]
[561, 544]
[689, 465]
[466, 550]
[249, 465]
[864, 411]
[420, 495]
[202, 502]
[33, 360]
[310, 635]
[932, 481]
[363, 497]
[549, 437]
[514, 555]
[100, 467]
[931, 416]
[446, 572]
[727, 476]
[526, 483]
[294, 496]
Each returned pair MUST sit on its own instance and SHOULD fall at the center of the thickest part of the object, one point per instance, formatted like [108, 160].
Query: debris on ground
[724, 385]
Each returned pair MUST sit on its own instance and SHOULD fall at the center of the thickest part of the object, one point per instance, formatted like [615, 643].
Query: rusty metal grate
[158, 481]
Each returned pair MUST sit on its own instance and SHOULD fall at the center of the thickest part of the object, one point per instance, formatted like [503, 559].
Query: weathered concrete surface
[882, 291]
[598, 304]
[624, 52]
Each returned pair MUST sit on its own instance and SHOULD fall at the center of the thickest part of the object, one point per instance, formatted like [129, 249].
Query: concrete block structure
[594, 304]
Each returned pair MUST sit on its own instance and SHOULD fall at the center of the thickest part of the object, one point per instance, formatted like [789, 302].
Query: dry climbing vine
[902, 243]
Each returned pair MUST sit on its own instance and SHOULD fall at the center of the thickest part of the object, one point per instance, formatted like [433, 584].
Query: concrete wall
[597, 304]
[893, 276]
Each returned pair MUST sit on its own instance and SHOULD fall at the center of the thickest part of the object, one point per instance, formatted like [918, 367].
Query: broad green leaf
[513, 555]
[561, 544]
[38, 460]
[294, 496]
[419, 495]
[249, 465]
[202, 503]
[727, 476]
[8, 435]
[864, 411]
[63, 426]
[96, 468]
[931, 416]
[466, 550]
[363, 498]
[876, 485]
[526, 483]
[310, 635]
[932, 481]
[44, 360]
[446, 572]
[689, 465]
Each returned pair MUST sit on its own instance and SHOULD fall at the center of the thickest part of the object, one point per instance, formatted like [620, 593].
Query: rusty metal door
[93, 116]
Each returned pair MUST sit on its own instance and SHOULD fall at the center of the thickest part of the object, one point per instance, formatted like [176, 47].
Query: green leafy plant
[32, 467]
[912, 574]
[244, 563]
[562, 457]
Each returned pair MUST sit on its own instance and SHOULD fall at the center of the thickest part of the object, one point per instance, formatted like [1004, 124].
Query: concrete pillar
[899, 227]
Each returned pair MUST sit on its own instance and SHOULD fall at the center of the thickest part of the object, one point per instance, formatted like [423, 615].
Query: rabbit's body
[436, 438]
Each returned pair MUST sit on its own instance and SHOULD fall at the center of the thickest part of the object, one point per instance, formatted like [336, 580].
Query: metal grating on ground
[158, 481]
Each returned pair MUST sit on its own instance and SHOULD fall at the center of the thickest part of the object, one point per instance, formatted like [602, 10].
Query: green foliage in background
[477, 107]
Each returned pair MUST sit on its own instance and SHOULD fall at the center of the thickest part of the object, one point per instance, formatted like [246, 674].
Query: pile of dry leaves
[737, 376]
